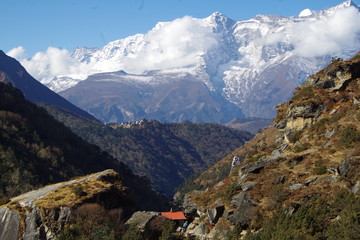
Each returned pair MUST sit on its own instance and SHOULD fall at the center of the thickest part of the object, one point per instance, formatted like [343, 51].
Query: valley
[201, 128]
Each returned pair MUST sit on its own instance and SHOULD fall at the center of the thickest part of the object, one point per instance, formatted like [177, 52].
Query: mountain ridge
[298, 178]
[250, 66]
[12, 72]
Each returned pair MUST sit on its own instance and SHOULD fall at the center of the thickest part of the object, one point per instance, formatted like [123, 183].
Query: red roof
[174, 215]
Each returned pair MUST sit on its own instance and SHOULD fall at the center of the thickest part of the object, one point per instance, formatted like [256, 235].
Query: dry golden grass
[66, 195]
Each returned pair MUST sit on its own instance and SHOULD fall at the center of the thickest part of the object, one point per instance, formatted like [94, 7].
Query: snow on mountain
[241, 60]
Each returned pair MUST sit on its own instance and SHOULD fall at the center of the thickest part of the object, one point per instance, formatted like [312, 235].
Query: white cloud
[169, 45]
[180, 43]
[174, 44]
[44, 66]
[328, 35]
[18, 52]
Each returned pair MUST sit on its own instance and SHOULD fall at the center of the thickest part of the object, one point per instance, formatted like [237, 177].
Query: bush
[321, 170]
[4, 200]
[294, 136]
[349, 136]
[132, 233]
[69, 234]
[167, 231]
[79, 191]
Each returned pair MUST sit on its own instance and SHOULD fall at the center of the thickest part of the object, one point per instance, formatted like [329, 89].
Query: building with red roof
[174, 215]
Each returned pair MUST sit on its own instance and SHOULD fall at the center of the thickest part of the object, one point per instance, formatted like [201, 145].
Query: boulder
[295, 160]
[253, 167]
[310, 181]
[244, 205]
[9, 223]
[141, 219]
[344, 168]
[248, 186]
[355, 189]
[215, 213]
[295, 186]
[190, 208]
[200, 230]
[42, 213]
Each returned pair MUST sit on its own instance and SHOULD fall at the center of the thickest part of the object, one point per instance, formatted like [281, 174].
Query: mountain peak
[346, 4]
[218, 17]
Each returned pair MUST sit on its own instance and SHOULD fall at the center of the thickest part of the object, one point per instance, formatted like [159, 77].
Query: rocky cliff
[43, 213]
[298, 178]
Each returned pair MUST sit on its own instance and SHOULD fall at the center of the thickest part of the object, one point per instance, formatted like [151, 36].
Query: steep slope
[11, 71]
[173, 97]
[298, 179]
[36, 150]
[44, 213]
[165, 153]
[248, 67]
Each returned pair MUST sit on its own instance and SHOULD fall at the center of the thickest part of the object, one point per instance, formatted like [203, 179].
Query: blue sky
[38, 24]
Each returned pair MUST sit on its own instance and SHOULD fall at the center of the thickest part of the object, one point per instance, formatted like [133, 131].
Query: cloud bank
[180, 43]
[168, 45]
[173, 44]
[326, 36]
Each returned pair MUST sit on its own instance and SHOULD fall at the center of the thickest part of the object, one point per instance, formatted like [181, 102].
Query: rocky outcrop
[141, 219]
[42, 214]
[311, 152]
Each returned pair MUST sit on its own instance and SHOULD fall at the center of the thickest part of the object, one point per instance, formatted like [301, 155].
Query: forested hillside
[36, 149]
[167, 153]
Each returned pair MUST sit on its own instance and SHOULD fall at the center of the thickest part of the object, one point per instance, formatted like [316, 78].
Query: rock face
[116, 97]
[310, 153]
[141, 219]
[42, 214]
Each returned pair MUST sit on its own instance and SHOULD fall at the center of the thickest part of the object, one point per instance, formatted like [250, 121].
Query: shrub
[132, 233]
[4, 200]
[167, 231]
[69, 233]
[294, 136]
[320, 170]
[79, 191]
[349, 136]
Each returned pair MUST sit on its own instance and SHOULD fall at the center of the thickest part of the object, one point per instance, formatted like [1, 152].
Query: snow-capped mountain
[253, 64]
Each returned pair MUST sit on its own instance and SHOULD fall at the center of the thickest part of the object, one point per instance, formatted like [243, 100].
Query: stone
[345, 167]
[190, 208]
[236, 161]
[295, 160]
[215, 213]
[295, 186]
[356, 101]
[46, 218]
[329, 133]
[281, 124]
[304, 111]
[310, 180]
[253, 167]
[356, 187]
[311, 81]
[9, 224]
[333, 111]
[244, 210]
[330, 179]
[281, 179]
[248, 186]
[141, 219]
[200, 230]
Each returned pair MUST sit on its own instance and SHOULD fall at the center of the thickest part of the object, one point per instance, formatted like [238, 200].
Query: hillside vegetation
[299, 178]
[36, 150]
[166, 153]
